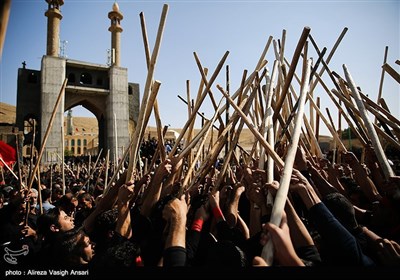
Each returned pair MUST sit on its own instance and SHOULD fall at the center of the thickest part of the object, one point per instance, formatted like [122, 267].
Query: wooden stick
[395, 75]
[382, 78]
[94, 169]
[106, 171]
[46, 135]
[281, 195]
[333, 132]
[313, 140]
[39, 193]
[292, 69]
[388, 137]
[65, 165]
[203, 118]
[155, 156]
[387, 170]
[384, 122]
[346, 117]
[270, 130]
[356, 117]
[160, 135]
[317, 120]
[216, 148]
[204, 79]
[191, 127]
[18, 161]
[330, 118]
[32, 149]
[228, 144]
[149, 87]
[260, 64]
[5, 8]
[385, 112]
[385, 107]
[371, 106]
[11, 171]
[235, 140]
[259, 137]
[197, 106]
[267, 121]
[198, 113]
[205, 135]
[195, 140]
[330, 55]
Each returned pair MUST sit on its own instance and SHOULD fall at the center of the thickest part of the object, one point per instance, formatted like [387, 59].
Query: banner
[7, 153]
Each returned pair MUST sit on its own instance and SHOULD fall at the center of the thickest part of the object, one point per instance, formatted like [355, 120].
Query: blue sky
[210, 28]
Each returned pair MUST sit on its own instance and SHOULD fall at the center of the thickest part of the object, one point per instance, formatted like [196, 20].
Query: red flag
[76, 129]
[7, 153]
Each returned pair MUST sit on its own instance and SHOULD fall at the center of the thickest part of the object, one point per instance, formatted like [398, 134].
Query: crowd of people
[344, 214]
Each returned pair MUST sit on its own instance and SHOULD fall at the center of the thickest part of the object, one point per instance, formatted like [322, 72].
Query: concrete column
[53, 75]
[117, 104]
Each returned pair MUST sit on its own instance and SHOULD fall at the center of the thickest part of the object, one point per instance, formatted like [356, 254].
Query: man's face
[66, 222]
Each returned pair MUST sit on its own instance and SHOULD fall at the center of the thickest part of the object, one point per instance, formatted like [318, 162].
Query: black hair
[70, 245]
[45, 221]
[104, 223]
[46, 194]
[342, 209]
[225, 253]
[122, 255]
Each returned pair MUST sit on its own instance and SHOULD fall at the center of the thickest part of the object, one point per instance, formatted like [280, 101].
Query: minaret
[54, 17]
[115, 29]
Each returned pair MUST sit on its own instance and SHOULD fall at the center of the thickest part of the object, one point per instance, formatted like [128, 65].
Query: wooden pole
[204, 135]
[94, 169]
[39, 193]
[317, 119]
[197, 106]
[138, 137]
[18, 161]
[333, 132]
[51, 177]
[5, 8]
[11, 171]
[382, 78]
[32, 149]
[330, 55]
[334, 140]
[342, 112]
[395, 75]
[155, 105]
[292, 69]
[204, 78]
[160, 134]
[257, 134]
[227, 146]
[106, 172]
[260, 64]
[149, 86]
[387, 170]
[281, 195]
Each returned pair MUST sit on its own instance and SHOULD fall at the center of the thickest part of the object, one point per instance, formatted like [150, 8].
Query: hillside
[7, 113]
